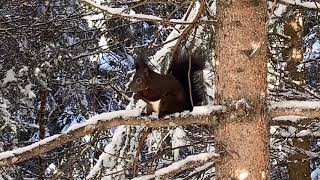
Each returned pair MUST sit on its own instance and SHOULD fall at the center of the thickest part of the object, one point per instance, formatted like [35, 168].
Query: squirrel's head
[140, 80]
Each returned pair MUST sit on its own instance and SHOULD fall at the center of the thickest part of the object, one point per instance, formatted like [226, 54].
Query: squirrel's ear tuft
[140, 61]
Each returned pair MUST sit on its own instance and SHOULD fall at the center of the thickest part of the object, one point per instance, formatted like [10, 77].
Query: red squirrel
[164, 94]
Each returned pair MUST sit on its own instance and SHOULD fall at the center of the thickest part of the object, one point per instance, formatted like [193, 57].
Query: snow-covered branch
[310, 5]
[105, 121]
[298, 108]
[188, 163]
[144, 17]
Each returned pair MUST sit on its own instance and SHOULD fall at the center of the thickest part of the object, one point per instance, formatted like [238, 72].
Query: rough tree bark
[241, 67]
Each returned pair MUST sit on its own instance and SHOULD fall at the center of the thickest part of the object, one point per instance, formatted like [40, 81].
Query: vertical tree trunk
[42, 129]
[241, 68]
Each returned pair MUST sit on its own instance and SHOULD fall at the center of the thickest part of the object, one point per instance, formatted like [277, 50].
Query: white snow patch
[22, 70]
[178, 140]
[21, 150]
[289, 118]
[296, 104]
[242, 102]
[27, 91]
[37, 71]
[10, 77]
[107, 116]
[206, 110]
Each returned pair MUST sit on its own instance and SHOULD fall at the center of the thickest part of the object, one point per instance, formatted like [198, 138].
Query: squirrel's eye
[138, 80]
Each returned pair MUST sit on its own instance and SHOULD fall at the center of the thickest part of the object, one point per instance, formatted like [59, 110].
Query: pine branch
[106, 121]
[144, 17]
[175, 168]
[298, 108]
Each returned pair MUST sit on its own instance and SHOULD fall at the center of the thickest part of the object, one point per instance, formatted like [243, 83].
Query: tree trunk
[241, 68]
[42, 129]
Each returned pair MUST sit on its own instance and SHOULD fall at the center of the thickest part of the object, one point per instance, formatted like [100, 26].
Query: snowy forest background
[63, 61]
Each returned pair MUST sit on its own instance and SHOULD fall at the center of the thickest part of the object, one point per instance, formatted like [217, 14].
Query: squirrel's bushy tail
[180, 69]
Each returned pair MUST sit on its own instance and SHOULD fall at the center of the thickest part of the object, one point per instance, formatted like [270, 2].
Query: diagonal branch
[105, 121]
[190, 162]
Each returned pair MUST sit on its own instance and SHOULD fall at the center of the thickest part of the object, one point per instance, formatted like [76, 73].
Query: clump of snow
[51, 169]
[206, 110]
[27, 91]
[46, 64]
[10, 77]
[178, 140]
[37, 71]
[242, 102]
[23, 70]
[153, 140]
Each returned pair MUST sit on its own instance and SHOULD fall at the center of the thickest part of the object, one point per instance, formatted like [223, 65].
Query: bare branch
[105, 121]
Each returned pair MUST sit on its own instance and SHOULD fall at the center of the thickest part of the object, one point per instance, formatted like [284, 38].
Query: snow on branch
[310, 5]
[188, 163]
[298, 108]
[105, 121]
[179, 32]
[291, 131]
[145, 17]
